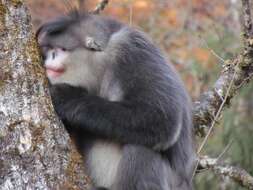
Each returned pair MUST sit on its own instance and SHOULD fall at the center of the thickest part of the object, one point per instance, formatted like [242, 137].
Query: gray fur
[128, 67]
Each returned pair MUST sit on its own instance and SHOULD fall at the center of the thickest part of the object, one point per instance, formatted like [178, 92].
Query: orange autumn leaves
[201, 55]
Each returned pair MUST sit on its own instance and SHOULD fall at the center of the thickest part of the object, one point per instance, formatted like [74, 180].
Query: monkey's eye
[53, 55]
[45, 49]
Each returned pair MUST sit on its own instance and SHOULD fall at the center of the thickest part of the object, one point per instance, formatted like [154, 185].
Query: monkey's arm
[125, 122]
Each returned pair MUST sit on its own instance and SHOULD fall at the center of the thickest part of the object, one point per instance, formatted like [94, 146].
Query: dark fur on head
[125, 104]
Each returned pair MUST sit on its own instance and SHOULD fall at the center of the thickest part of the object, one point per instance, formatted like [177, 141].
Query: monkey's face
[64, 65]
[70, 52]
[54, 59]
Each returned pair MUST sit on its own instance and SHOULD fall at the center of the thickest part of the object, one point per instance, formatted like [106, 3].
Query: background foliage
[197, 36]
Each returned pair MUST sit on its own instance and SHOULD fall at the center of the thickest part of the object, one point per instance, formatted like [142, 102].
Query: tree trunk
[35, 150]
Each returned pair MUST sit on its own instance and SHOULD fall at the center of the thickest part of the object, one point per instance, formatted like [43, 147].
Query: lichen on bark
[35, 149]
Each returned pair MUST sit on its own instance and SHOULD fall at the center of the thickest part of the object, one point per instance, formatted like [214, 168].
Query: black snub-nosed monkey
[125, 105]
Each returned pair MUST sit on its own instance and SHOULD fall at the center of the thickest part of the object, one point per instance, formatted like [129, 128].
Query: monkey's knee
[141, 169]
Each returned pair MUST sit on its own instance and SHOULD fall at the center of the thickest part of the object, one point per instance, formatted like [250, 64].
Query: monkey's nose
[56, 57]
[54, 53]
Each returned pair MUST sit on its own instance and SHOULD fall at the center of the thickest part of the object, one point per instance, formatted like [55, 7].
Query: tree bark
[35, 150]
[237, 174]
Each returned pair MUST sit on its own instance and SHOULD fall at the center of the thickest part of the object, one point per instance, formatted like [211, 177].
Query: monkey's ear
[92, 44]
[38, 33]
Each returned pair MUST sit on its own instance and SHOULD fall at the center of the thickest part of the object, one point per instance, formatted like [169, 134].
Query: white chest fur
[103, 161]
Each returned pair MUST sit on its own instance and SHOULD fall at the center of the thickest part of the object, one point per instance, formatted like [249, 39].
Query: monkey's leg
[142, 169]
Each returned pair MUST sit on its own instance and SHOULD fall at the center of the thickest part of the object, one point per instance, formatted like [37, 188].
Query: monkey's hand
[62, 95]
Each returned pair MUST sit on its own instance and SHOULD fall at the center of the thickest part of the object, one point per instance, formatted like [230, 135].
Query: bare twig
[131, 13]
[81, 3]
[69, 6]
[213, 123]
[225, 150]
[101, 6]
[237, 174]
[212, 51]
[217, 114]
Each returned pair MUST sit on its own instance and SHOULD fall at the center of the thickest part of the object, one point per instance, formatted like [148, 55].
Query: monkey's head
[73, 48]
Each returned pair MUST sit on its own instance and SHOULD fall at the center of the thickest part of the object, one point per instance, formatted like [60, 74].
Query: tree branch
[206, 109]
[101, 6]
[237, 174]
[247, 25]
[35, 150]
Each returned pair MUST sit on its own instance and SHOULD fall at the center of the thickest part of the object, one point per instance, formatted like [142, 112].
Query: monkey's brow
[79, 46]
[55, 27]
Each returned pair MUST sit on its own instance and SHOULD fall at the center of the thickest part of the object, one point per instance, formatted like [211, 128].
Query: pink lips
[54, 72]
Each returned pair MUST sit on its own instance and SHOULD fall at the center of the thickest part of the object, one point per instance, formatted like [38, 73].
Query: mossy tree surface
[35, 150]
